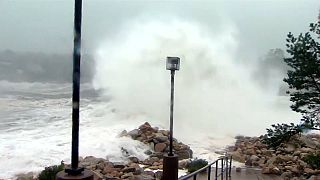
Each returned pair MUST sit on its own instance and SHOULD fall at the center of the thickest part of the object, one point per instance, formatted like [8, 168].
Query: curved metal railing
[223, 171]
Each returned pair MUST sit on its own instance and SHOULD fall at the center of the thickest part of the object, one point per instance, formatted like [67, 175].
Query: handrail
[225, 167]
[198, 171]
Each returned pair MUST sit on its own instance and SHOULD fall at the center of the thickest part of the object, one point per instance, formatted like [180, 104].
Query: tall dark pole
[170, 160]
[171, 113]
[76, 173]
[76, 84]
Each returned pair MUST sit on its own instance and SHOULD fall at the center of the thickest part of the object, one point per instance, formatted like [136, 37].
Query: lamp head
[173, 63]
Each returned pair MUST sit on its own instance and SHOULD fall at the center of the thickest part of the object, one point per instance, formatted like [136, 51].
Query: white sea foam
[37, 133]
[215, 98]
[215, 93]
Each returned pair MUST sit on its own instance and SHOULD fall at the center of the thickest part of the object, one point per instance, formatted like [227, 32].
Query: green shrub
[281, 133]
[196, 165]
[49, 173]
[313, 160]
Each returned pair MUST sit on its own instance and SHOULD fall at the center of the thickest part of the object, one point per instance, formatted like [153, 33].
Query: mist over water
[228, 84]
[215, 95]
[35, 127]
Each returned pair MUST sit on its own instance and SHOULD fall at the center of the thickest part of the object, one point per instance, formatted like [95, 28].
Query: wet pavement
[244, 174]
[252, 174]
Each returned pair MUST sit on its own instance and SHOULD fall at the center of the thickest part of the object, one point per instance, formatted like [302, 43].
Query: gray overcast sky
[47, 25]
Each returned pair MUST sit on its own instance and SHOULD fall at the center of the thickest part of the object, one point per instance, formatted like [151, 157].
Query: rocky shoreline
[134, 168]
[150, 168]
[158, 140]
[287, 160]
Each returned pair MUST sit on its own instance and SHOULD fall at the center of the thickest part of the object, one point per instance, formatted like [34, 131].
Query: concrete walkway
[244, 174]
[252, 174]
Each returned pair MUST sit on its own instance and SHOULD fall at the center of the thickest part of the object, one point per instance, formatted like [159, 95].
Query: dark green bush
[196, 164]
[49, 173]
[281, 133]
[313, 160]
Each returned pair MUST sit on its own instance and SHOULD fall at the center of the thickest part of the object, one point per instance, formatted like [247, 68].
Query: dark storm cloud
[46, 25]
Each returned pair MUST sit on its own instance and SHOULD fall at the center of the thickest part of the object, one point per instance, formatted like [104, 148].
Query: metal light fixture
[170, 161]
[173, 63]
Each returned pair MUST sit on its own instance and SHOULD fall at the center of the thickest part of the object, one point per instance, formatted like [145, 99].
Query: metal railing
[224, 171]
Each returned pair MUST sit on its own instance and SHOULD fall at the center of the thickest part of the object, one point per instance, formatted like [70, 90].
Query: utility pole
[76, 173]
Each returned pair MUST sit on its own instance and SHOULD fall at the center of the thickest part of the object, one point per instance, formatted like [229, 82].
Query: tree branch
[315, 83]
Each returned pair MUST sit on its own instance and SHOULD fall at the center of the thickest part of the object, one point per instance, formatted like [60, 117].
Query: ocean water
[35, 128]
[216, 98]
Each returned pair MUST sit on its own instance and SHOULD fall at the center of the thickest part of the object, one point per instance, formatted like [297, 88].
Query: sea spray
[215, 98]
[35, 128]
[215, 93]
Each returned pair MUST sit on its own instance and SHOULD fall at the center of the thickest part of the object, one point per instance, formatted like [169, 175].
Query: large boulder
[237, 156]
[160, 147]
[146, 127]
[134, 133]
[160, 138]
[184, 154]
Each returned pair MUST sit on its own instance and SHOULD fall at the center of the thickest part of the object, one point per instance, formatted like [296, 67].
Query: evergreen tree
[304, 76]
[304, 85]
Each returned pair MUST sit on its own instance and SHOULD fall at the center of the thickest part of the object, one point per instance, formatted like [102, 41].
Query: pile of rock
[287, 160]
[150, 168]
[158, 140]
[104, 169]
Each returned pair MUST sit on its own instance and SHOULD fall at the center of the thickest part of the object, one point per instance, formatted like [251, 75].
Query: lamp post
[170, 161]
[76, 173]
